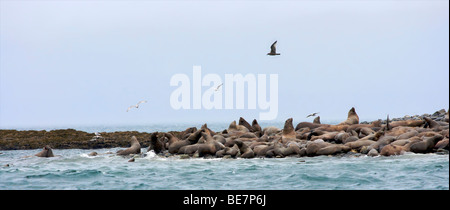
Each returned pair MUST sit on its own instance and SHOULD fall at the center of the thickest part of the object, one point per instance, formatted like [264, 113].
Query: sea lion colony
[421, 134]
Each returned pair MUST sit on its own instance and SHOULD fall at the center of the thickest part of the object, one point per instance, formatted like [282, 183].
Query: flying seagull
[137, 105]
[217, 88]
[312, 115]
[273, 49]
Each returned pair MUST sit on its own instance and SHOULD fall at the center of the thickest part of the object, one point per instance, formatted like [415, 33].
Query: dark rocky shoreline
[419, 133]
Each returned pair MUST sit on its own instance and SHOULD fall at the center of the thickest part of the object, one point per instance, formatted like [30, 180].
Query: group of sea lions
[307, 139]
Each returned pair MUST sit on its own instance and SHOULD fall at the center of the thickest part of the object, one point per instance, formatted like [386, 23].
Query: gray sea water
[74, 169]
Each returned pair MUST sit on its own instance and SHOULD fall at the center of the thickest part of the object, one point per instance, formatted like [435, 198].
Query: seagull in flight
[312, 115]
[137, 105]
[273, 49]
[217, 88]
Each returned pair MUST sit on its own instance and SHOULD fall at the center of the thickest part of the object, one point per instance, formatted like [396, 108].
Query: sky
[86, 62]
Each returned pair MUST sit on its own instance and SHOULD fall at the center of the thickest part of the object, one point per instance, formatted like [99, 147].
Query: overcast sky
[86, 62]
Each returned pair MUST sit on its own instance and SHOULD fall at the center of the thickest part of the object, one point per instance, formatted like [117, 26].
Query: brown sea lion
[177, 144]
[135, 147]
[46, 152]
[246, 152]
[341, 137]
[288, 130]
[431, 123]
[233, 128]
[352, 118]
[442, 144]
[333, 149]
[256, 128]
[156, 144]
[359, 143]
[244, 123]
[390, 149]
[271, 131]
[408, 123]
[307, 125]
[316, 120]
[210, 147]
[373, 153]
[426, 145]
[314, 146]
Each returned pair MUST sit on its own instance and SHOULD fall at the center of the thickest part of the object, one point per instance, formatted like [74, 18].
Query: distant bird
[217, 88]
[273, 49]
[97, 136]
[312, 115]
[137, 105]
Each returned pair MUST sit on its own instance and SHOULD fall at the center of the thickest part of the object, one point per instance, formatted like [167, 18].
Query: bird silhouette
[312, 115]
[273, 49]
[137, 105]
[217, 88]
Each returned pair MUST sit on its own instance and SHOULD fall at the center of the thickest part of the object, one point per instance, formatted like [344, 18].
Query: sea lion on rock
[316, 120]
[333, 149]
[244, 123]
[442, 144]
[233, 128]
[256, 128]
[426, 145]
[156, 144]
[135, 147]
[352, 118]
[359, 143]
[209, 147]
[307, 125]
[431, 123]
[373, 153]
[46, 152]
[271, 131]
[246, 152]
[288, 130]
[192, 139]
[314, 146]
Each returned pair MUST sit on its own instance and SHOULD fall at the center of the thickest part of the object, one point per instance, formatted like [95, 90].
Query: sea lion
[327, 136]
[244, 123]
[288, 130]
[408, 135]
[407, 123]
[359, 143]
[256, 128]
[271, 131]
[316, 120]
[373, 153]
[291, 149]
[352, 118]
[156, 144]
[233, 128]
[135, 147]
[314, 146]
[341, 137]
[246, 152]
[390, 149]
[333, 149]
[177, 144]
[307, 125]
[442, 144]
[431, 123]
[46, 152]
[209, 147]
[93, 154]
[426, 145]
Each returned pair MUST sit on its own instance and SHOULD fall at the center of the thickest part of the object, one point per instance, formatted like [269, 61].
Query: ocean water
[74, 169]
